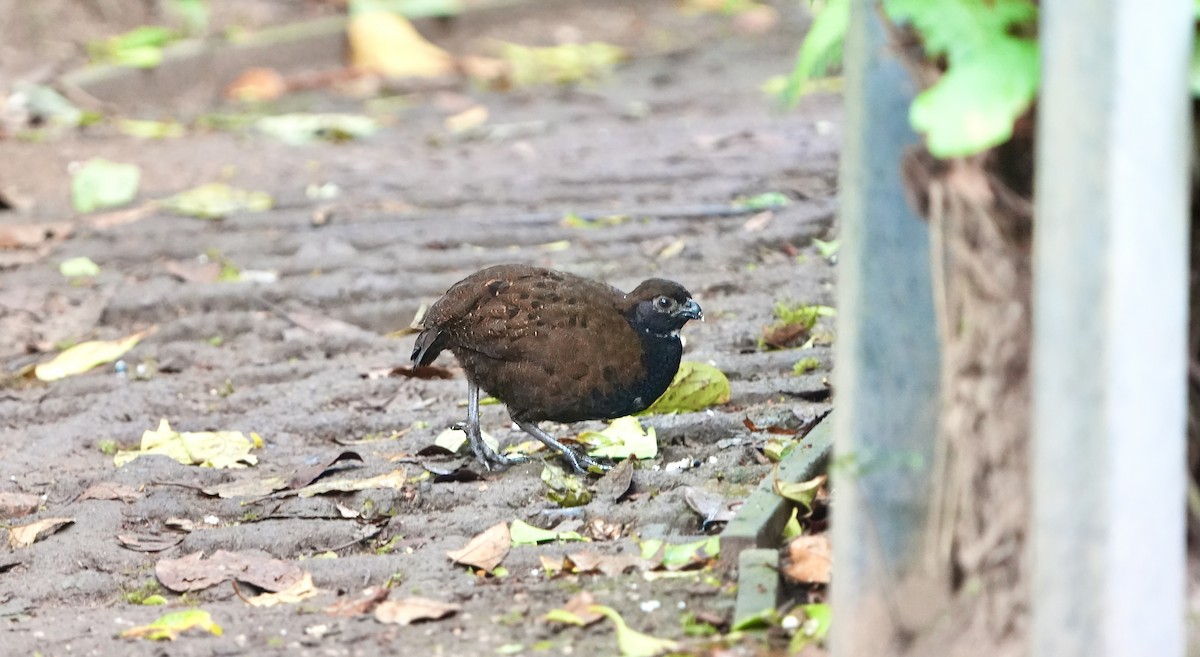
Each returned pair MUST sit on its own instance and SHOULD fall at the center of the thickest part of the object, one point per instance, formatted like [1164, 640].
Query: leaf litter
[406, 611]
[210, 449]
[86, 356]
[169, 626]
[22, 536]
[194, 573]
[696, 386]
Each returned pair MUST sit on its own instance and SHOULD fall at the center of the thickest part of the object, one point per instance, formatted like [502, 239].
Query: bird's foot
[489, 458]
[582, 463]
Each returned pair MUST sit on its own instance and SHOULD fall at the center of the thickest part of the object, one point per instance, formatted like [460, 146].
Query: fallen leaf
[802, 493]
[216, 201]
[565, 64]
[411, 610]
[151, 129]
[617, 482]
[814, 626]
[347, 606]
[450, 471]
[696, 386]
[453, 440]
[623, 438]
[109, 490]
[523, 533]
[257, 85]
[632, 643]
[764, 201]
[78, 267]
[566, 490]
[393, 480]
[680, 556]
[86, 355]
[246, 488]
[808, 559]
[99, 184]
[577, 611]
[140, 47]
[467, 119]
[387, 44]
[599, 529]
[301, 590]
[308, 474]
[323, 325]
[417, 372]
[192, 271]
[193, 572]
[209, 449]
[299, 128]
[25, 535]
[149, 543]
[170, 626]
[486, 550]
[610, 565]
[488, 71]
[25, 236]
[709, 506]
[16, 505]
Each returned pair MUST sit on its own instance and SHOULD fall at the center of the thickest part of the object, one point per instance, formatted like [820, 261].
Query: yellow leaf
[86, 355]
[472, 117]
[696, 386]
[210, 449]
[632, 643]
[170, 626]
[623, 438]
[387, 44]
[301, 590]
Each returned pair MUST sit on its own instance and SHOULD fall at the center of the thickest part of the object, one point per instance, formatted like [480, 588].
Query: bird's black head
[660, 308]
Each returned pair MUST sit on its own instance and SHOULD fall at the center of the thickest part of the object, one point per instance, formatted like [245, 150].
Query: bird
[554, 346]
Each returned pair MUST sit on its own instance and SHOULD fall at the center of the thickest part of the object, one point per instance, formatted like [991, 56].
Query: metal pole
[887, 348]
[1110, 323]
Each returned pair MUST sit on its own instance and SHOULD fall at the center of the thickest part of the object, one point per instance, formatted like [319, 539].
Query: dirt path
[417, 212]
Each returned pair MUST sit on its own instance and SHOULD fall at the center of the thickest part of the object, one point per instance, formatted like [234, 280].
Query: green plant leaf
[217, 200]
[813, 629]
[566, 490]
[632, 643]
[975, 104]
[678, 557]
[523, 533]
[820, 50]
[696, 387]
[77, 267]
[991, 75]
[170, 626]
[623, 438]
[101, 183]
[297, 129]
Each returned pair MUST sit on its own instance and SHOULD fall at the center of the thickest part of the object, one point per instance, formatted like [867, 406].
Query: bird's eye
[664, 302]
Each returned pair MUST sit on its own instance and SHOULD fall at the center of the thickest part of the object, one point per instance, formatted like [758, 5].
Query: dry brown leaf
[25, 236]
[485, 551]
[257, 85]
[192, 271]
[808, 559]
[16, 505]
[306, 475]
[599, 529]
[301, 590]
[149, 542]
[411, 610]
[193, 572]
[472, 117]
[387, 44]
[393, 480]
[346, 606]
[617, 483]
[25, 535]
[607, 564]
[581, 604]
[489, 71]
[109, 490]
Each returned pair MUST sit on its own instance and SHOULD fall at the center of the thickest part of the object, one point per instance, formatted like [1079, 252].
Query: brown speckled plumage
[555, 346]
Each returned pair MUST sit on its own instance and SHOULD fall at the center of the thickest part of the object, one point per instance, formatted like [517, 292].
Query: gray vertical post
[1110, 321]
[887, 347]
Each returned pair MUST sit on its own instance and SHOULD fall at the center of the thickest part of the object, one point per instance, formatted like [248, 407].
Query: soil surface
[677, 134]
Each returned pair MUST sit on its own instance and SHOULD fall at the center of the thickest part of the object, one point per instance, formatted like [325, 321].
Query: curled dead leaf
[410, 610]
[193, 572]
[26, 535]
[486, 550]
[809, 559]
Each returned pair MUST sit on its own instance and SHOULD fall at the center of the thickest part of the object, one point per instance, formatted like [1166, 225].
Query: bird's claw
[490, 458]
[584, 464]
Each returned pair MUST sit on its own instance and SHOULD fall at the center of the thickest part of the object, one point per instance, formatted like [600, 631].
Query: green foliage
[992, 71]
[100, 184]
[991, 75]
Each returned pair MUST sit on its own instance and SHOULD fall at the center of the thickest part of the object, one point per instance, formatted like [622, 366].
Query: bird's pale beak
[691, 310]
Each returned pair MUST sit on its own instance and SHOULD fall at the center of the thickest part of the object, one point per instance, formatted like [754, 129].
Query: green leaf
[623, 438]
[805, 365]
[139, 48]
[150, 129]
[813, 629]
[565, 617]
[170, 626]
[566, 490]
[696, 387]
[991, 75]
[975, 104]
[764, 201]
[678, 557]
[100, 184]
[820, 50]
[297, 129]
[523, 533]
[193, 14]
[452, 440]
[802, 492]
[632, 643]
[77, 267]
[827, 249]
[217, 200]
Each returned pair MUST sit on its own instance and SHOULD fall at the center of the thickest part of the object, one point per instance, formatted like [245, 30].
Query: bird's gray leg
[487, 456]
[580, 463]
